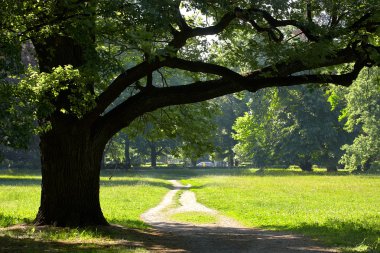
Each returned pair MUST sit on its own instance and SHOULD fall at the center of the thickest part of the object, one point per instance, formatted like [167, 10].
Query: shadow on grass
[6, 220]
[340, 233]
[134, 182]
[111, 182]
[20, 181]
[116, 238]
[108, 239]
[184, 173]
[29, 245]
[14, 244]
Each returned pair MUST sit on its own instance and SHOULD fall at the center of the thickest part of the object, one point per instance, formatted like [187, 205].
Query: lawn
[124, 198]
[341, 210]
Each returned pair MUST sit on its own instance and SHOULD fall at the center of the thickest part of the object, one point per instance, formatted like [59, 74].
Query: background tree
[361, 114]
[296, 126]
[82, 46]
[255, 134]
[231, 107]
[184, 132]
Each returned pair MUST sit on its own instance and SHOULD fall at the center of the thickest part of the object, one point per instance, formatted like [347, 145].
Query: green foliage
[45, 90]
[16, 117]
[182, 131]
[362, 112]
[231, 106]
[290, 126]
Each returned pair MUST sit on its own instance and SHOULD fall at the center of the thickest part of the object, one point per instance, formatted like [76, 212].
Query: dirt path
[225, 235]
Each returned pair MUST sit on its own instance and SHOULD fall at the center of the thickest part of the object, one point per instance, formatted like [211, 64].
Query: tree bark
[127, 155]
[306, 166]
[231, 158]
[70, 181]
[332, 168]
[153, 154]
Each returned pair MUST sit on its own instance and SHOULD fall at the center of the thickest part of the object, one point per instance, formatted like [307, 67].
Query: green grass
[19, 197]
[341, 210]
[123, 198]
[194, 217]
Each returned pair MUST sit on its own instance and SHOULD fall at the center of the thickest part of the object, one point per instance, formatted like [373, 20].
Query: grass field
[194, 217]
[341, 210]
[123, 199]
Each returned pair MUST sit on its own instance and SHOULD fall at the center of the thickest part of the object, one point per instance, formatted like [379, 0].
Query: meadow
[123, 198]
[340, 210]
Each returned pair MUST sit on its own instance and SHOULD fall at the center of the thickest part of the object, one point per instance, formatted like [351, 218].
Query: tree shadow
[184, 173]
[108, 239]
[28, 245]
[20, 181]
[134, 182]
[340, 233]
[189, 238]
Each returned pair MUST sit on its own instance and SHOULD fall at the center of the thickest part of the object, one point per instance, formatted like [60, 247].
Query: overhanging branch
[198, 66]
[122, 115]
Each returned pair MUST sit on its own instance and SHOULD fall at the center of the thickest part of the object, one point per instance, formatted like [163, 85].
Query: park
[189, 126]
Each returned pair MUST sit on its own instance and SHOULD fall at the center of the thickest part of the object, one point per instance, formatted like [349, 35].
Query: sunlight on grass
[123, 199]
[19, 198]
[340, 210]
[194, 218]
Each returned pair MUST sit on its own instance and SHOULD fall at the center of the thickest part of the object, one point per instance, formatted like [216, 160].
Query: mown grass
[194, 217]
[124, 197]
[341, 210]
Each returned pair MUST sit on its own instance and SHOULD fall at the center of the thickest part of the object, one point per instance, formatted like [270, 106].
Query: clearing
[222, 235]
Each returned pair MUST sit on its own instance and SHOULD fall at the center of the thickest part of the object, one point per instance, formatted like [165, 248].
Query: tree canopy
[360, 110]
[252, 45]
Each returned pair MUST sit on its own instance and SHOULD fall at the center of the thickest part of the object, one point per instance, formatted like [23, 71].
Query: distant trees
[360, 110]
[291, 126]
[231, 108]
[184, 132]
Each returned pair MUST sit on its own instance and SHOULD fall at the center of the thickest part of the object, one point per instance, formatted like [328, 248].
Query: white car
[205, 164]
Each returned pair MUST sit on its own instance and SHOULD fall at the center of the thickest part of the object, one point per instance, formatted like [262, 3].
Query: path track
[226, 235]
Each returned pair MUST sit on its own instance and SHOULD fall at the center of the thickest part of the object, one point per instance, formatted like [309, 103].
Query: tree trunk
[127, 155]
[70, 158]
[332, 168]
[70, 181]
[153, 154]
[306, 166]
[230, 158]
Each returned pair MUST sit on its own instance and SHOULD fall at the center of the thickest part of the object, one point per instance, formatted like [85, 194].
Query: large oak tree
[90, 52]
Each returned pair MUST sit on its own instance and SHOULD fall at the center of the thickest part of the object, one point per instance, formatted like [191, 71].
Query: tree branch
[180, 37]
[272, 30]
[118, 85]
[198, 66]
[282, 69]
[290, 74]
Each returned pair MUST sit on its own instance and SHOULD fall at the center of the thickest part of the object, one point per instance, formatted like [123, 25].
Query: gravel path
[226, 235]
